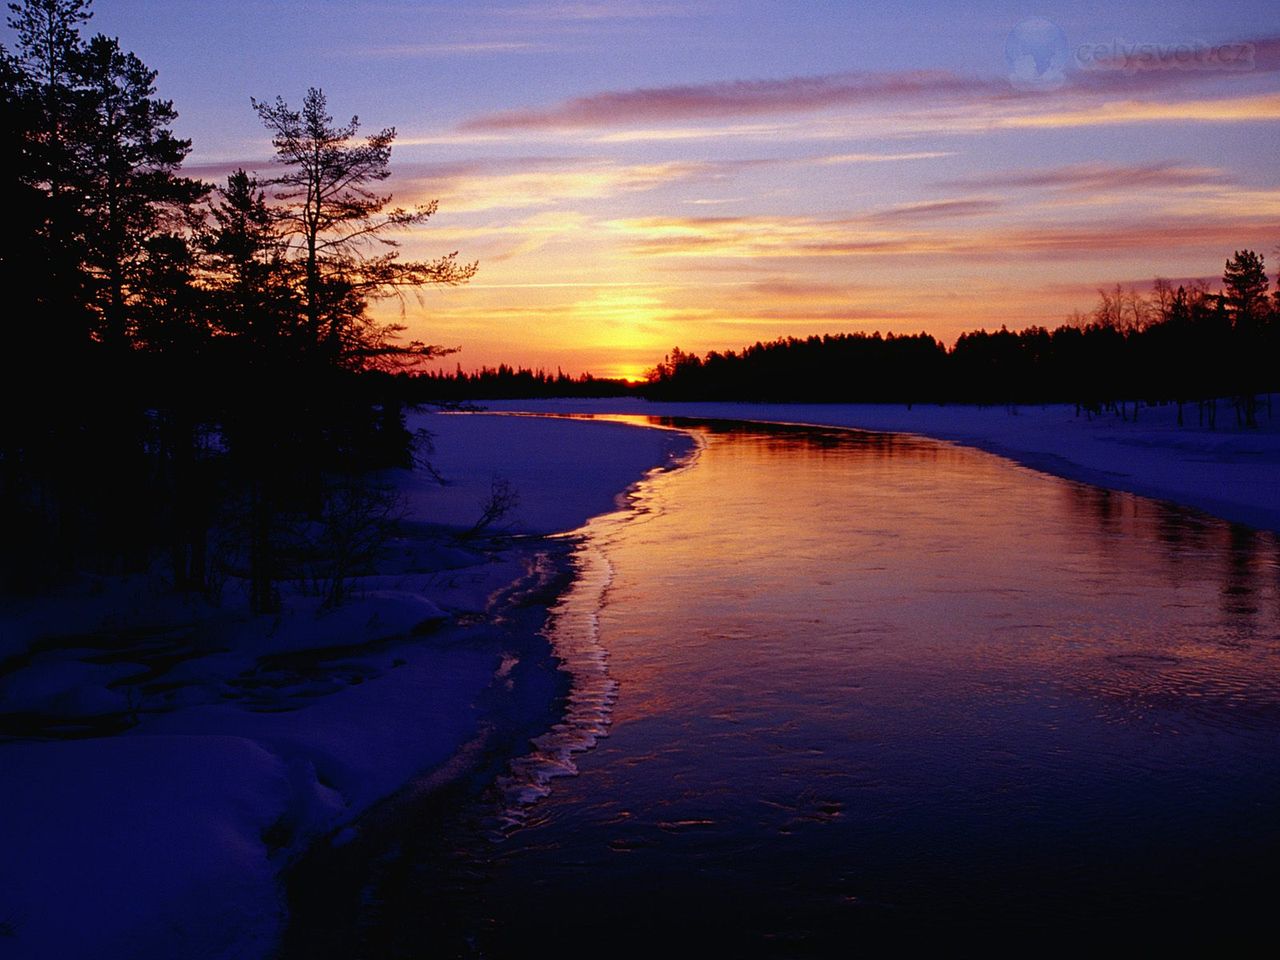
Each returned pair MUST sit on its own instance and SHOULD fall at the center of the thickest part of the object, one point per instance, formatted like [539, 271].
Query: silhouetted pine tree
[1244, 295]
[290, 267]
[97, 151]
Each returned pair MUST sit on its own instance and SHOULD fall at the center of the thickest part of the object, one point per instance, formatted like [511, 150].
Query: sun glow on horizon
[793, 185]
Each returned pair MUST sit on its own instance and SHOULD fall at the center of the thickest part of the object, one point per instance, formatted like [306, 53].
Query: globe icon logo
[1037, 54]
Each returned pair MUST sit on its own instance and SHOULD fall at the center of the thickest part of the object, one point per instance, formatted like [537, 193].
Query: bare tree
[339, 228]
[502, 500]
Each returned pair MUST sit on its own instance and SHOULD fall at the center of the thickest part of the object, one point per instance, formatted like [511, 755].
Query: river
[841, 691]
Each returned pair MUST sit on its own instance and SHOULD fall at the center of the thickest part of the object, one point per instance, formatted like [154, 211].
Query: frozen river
[861, 689]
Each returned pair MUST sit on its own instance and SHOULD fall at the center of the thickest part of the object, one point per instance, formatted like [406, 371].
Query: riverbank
[166, 759]
[1230, 472]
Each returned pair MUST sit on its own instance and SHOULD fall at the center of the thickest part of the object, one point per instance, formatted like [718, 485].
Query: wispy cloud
[751, 237]
[218, 171]
[1247, 204]
[1136, 67]
[569, 285]
[458, 48]
[1097, 177]
[506, 239]
[740, 98]
[714, 201]
[820, 303]
[539, 182]
[930, 210]
[843, 158]
[1089, 98]
[810, 128]
[804, 237]
[497, 183]
[739, 131]
[602, 10]
[1121, 236]
[1258, 108]
[974, 117]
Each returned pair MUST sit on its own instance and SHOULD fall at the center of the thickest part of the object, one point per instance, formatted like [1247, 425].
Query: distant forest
[504, 382]
[1177, 345]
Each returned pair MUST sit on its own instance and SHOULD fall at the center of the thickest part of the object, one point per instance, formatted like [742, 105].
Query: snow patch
[238, 741]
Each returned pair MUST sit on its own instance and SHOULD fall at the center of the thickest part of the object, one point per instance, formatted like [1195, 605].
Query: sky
[636, 176]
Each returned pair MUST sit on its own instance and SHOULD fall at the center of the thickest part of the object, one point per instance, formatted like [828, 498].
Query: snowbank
[1230, 472]
[561, 474]
[163, 760]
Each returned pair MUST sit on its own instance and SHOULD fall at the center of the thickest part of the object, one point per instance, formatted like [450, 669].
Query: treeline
[1181, 345]
[186, 366]
[844, 367]
[504, 382]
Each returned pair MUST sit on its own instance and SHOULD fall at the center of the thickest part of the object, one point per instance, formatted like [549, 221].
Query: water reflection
[875, 690]
[1192, 547]
[1238, 593]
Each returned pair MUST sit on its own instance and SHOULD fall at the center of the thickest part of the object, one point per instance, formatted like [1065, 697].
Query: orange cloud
[1247, 109]
[539, 182]
[801, 237]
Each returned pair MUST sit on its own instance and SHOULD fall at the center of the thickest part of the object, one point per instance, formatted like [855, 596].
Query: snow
[561, 474]
[166, 759]
[182, 755]
[66, 688]
[1231, 472]
[138, 846]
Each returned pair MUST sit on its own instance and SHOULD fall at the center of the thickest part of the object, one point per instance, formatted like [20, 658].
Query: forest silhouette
[207, 349]
[1184, 345]
[1178, 345]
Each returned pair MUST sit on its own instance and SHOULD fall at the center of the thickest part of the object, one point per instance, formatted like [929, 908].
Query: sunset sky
[635, 176]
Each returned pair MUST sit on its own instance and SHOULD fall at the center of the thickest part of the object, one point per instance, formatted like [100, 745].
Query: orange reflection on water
[870, 683]
[828, 550]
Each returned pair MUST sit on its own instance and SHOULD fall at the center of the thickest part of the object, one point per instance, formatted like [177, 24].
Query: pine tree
[1245, 287]
[251, 303]
[45, 68]
[126, 173]
[339, 231]
[1244, 296]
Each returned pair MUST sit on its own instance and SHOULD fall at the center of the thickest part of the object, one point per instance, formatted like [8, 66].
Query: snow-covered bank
[561, 474]
[1230, 472]
[162, 760]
